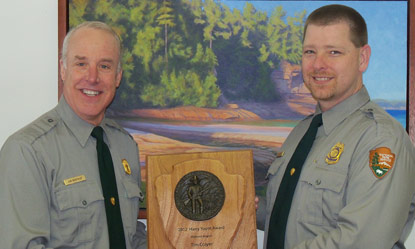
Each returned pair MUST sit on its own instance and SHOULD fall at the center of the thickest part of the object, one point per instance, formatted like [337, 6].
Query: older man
[344, 177]
[71, 178]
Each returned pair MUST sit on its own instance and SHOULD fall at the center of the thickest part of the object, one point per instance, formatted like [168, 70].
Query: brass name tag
[75, 179]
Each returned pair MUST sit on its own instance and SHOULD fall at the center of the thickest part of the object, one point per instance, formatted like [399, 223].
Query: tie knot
[317, 121]
[97, 133]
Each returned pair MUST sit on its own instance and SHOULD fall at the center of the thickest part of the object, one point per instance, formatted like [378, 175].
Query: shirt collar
[333, 117]
[79, 127]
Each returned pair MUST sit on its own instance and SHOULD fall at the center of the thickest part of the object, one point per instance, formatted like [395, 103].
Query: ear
[364, 57]
[118, 79]
[62, 70]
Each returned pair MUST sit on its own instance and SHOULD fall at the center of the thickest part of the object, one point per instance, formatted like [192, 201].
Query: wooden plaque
[201, 200]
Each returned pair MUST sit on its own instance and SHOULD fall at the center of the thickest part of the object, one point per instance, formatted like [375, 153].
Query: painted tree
[204, 43]
[165, 18]
[272, 51]
[253, 25]
[294, 48]
[209, 14]
[77, 10]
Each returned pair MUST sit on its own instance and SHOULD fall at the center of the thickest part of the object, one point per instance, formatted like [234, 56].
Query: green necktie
[282, 204]
[109, 189]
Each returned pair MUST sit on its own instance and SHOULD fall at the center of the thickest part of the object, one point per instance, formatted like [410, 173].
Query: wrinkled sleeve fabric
[375, 214]
[261, 213]
[24, 197]
[139, 240]
[140, 237]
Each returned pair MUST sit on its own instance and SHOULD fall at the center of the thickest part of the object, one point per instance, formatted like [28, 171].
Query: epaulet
[112, 123]
[381, 118]
[368, 110]
[39, 127]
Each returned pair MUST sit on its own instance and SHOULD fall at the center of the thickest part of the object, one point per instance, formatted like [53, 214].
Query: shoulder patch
[381, 161]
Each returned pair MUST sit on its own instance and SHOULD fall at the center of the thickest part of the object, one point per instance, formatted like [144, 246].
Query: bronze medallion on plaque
[199, 195]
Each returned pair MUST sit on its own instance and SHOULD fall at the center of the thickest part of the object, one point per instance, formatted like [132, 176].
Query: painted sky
[386, 77]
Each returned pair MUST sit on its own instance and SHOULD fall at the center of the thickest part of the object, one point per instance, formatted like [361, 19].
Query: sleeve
[261, 213]
[24, 198]
[376, 208]
[140, 237]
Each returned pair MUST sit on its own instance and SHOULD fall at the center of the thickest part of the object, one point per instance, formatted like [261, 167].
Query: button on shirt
[50, 191]
[344, 205]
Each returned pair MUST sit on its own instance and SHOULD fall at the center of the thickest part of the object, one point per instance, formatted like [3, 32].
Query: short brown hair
[335, 13]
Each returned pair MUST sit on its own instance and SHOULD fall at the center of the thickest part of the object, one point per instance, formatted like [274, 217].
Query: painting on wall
[207, 75]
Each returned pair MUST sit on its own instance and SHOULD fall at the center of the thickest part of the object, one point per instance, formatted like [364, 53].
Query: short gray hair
[93, 25]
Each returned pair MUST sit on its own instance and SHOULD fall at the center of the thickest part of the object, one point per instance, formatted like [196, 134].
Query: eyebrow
[324, 47]
[107, 60]
[78, 57]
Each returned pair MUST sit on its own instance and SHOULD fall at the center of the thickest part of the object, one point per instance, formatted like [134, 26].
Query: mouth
[316, 78]
[90, 93]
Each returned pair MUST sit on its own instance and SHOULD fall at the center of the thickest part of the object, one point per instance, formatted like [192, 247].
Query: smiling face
[90, 77]
[332, 65]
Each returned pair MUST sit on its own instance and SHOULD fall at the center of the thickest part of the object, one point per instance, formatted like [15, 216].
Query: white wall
[29, 65]
[28, 61]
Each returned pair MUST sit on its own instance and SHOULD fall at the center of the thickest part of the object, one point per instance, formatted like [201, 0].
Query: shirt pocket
[81, 212]
[321, 197]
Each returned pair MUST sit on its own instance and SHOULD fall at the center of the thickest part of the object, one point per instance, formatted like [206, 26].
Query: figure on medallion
[195, 195]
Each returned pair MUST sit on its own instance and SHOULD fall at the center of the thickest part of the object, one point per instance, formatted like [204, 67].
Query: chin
[321, 95]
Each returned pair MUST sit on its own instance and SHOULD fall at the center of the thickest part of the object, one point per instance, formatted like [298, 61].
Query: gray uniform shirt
[50, 190]
[344, 204]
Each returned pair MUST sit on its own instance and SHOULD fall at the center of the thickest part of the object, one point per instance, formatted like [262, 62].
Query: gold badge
[335, 153]
[381, 161]
[112, 199]
[127, 168]
[75, 179]
[292, 171]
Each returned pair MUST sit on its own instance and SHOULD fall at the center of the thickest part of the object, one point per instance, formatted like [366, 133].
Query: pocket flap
[132, 189]
[325, 179]
[79, 195]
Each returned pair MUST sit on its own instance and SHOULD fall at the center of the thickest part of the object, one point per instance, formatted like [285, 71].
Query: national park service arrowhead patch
[381, 161]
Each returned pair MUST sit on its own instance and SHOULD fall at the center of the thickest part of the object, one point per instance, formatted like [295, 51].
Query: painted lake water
[400, 115]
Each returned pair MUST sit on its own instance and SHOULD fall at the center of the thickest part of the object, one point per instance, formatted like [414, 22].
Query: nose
[319, 62]
[93, 74]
